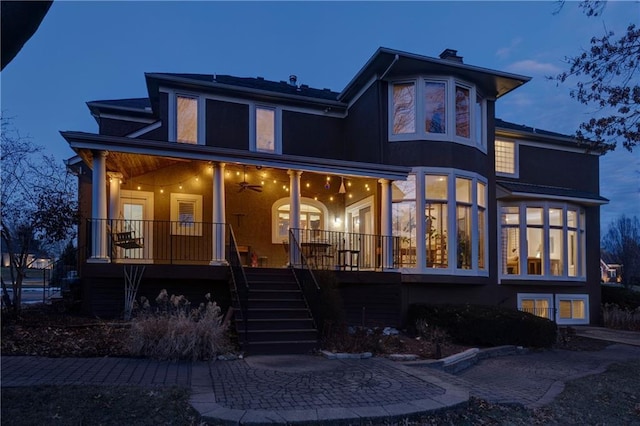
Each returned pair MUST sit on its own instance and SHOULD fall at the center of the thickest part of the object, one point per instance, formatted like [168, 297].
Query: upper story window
[186, 119]
[265, 129]
[436, 109]
[506, 158]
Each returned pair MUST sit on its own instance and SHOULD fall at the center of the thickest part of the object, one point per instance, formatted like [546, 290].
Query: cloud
[505, 52]
[530, 66]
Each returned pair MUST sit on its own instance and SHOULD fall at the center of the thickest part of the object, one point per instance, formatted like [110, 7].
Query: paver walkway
[288, 389]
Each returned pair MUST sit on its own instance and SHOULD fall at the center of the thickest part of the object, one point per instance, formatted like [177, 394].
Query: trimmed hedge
[487, 325]
[623, 297]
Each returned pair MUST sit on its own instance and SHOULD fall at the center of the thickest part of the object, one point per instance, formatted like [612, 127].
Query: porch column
[218, 217]
[294, 213]
[99, 209]
[386, 223]
[114, 197]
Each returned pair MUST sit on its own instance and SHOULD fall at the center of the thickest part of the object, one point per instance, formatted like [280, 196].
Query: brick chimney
[451, 55]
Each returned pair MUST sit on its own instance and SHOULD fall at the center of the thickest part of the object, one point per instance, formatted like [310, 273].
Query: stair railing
[239, 281]
[303, 274]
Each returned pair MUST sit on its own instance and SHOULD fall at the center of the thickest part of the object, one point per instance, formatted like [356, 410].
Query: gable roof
[387, 62]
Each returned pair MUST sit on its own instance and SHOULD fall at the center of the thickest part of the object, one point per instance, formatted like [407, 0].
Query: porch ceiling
[130, 165]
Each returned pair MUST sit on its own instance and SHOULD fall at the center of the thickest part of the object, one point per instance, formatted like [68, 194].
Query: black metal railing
[338, 250]
[304, 276]
[240, 285]
[548, 313]
[157, 240]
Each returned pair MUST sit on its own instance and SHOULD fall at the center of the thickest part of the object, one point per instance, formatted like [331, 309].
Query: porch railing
[240, 289]
[338, 250]
[156, 240]
[305, 277]
[548, 313]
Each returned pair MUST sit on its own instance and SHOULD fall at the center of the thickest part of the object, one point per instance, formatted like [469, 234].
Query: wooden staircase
[278, 319]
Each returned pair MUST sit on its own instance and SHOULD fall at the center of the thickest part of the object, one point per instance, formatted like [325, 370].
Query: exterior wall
[227, 124]
[161, 133]
[103, 286]
[312, 135]
[364, 127]
[559, 168]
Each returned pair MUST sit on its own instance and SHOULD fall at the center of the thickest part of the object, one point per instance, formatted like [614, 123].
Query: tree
[38, 207]
[622, 241]
[607, 76]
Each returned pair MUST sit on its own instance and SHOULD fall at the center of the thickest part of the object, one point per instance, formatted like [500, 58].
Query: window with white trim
[451, 236]
[313, 215]
[537, 304]
[186, 119]
[554, 240]
[506, 158]
[186, 214]
[572, 309]
[436, 108]
[265, 129]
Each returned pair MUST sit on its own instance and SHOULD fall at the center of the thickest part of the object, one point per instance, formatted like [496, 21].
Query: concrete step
[282, 347]
[276, 324]
[276, 304]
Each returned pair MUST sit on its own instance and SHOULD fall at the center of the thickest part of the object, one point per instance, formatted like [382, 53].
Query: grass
[612, 397]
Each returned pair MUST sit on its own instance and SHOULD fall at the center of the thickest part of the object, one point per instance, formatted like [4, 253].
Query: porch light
[331, 198]
[342, 189]
[139, 187]
[337, 221]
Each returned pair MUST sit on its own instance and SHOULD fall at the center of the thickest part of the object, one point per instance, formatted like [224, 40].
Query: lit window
[404, 108]
[186, 119]
[404, 219]
[186, 214]
[436, 226]
[554, 241]
[482, 208]
[505, 157]
[463, 222]
[536, 304]
[572, 308]
[265, 129]
[313, 216]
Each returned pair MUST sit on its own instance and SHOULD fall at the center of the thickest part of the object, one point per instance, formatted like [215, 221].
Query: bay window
[451, 236]
[553, 244]
[447, 108]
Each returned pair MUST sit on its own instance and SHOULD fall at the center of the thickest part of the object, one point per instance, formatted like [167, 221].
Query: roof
[131, 106]
[252, 87]
[387, 62]
[519, 189]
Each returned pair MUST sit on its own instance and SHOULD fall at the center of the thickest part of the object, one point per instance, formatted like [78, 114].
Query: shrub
[623, 297]
[485, 325]
[621, 319]
[173, 330]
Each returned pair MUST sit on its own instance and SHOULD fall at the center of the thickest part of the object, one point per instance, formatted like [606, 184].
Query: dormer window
[448, 110]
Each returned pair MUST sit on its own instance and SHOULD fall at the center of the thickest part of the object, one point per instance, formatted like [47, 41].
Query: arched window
[313, 215]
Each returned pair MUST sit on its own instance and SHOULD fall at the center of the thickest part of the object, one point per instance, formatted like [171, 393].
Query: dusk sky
[86, 51]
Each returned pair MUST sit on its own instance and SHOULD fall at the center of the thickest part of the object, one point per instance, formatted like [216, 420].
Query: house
[213, 171]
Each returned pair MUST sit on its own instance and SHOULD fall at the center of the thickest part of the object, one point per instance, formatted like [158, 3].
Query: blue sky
[87, 51]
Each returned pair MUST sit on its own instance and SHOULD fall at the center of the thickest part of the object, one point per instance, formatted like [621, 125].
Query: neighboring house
[34, 260]
[404, 183]
[610, 270]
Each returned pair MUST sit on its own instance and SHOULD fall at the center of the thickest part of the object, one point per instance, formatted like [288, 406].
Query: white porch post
[114, 196]
[219, 219]
[294, 213]
[99, 209]
[386, 223]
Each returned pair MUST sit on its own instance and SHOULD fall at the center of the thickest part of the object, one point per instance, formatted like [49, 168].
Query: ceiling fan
[246, 185]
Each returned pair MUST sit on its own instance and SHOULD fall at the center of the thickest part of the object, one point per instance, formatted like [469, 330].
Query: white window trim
[277, 127]
[516, 157]
[522, 226]
[539, 296]
[572, 321]
[450, 134]
[176, 227]
[421, 254]
[172, 111]
[275, 238]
